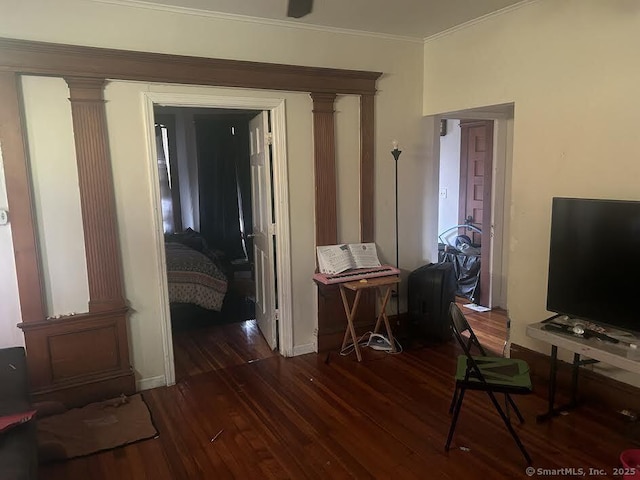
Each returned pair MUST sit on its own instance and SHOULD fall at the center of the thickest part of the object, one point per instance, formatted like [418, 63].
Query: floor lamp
[396, 155]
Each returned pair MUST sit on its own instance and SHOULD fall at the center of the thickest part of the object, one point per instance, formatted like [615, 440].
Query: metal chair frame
[475, 380]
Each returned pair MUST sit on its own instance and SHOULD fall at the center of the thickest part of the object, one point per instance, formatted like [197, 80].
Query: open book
[333, 259]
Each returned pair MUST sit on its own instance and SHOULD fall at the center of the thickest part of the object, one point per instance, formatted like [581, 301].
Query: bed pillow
[189, 238]
[195, 240]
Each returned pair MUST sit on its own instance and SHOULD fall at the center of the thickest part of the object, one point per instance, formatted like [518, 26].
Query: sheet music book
[334, 259]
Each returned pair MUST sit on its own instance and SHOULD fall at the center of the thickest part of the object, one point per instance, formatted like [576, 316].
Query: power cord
[364, 341]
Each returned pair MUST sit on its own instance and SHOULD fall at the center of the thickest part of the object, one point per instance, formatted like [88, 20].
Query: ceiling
[417, 19]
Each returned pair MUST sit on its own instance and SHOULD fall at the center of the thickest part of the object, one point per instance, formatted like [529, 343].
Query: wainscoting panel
[79, 358]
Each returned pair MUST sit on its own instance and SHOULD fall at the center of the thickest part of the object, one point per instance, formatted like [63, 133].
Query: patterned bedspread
[194, 278]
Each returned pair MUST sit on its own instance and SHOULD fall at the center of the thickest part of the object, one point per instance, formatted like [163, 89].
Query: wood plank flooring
[205, 349]
[490, 327]
[303, 417]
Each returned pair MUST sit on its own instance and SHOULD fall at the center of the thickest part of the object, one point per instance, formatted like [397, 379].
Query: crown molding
[40, 58]
[484, 18]
[256, 20]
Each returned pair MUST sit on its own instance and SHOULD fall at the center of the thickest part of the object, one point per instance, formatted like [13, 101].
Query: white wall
[570, 68]
[449, 178]
[56, 194]
[398, 115]
[10, 335]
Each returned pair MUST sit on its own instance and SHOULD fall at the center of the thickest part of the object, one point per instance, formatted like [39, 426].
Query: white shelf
[620, 355]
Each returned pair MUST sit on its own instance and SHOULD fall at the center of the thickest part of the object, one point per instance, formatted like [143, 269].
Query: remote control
[557, 328]
[601, 336]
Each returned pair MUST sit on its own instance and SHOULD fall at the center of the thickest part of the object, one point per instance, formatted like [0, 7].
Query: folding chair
[489, 374]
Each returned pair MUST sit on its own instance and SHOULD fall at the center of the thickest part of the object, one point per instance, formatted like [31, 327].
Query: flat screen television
[594, 261]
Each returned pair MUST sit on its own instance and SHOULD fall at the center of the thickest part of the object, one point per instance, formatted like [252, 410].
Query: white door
[263, 228]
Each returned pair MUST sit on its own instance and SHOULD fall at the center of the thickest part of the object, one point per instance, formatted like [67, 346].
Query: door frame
[503, 118]
[276, 107]
[487, 224]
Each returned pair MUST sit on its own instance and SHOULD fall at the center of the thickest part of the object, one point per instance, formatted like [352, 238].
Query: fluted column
[367, 167]
[104, 267]
[324, 151]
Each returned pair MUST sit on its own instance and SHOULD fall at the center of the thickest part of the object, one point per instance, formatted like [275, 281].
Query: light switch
[443, 193]
[4, 217]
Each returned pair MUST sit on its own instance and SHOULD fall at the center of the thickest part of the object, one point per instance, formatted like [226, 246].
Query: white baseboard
[303, 349]
[149, 383]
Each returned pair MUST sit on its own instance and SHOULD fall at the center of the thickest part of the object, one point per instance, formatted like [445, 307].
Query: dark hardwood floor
[304, 417]
[209, 348]
[205, 340]
[490, 327]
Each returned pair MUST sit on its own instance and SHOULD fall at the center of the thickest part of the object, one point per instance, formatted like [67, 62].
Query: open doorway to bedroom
[219, 229]
[474, 171]
[205, 183]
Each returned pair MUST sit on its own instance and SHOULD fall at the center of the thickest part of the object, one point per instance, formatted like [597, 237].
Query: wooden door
[476, 164]
[263, 227]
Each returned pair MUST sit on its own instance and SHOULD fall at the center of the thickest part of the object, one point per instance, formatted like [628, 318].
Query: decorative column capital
[86, 89]
[323, 102]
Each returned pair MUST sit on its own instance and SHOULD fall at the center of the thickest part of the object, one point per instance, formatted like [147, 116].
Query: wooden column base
[79, 359]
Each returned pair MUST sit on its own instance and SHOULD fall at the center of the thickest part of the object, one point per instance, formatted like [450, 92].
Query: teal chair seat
[499, 372]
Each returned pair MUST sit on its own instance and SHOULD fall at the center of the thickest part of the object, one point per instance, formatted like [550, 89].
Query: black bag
[431, 288]
[467, 272]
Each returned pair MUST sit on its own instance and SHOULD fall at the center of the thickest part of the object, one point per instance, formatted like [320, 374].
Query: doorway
[475, 151]
[277, 228]
[208, 209]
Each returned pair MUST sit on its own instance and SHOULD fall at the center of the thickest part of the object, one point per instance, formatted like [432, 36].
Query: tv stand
[596, 349]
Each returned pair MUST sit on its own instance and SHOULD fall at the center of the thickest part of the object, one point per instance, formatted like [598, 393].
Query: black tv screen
[594, 261]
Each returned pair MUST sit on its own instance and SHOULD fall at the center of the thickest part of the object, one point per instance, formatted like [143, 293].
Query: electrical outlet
[4, 217]
[443, 193]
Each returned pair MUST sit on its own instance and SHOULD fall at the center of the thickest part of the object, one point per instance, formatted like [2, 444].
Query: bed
[194, 277]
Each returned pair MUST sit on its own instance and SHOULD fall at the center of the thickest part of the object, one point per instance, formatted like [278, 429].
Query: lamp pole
[396, 155]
